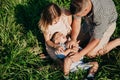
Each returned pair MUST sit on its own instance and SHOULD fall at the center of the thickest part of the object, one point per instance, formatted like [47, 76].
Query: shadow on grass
[28, 15]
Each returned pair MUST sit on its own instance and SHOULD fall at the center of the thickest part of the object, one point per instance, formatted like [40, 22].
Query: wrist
[73, 39]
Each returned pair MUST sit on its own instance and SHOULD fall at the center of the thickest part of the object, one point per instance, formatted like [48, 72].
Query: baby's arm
[64, 52]
[51, 44]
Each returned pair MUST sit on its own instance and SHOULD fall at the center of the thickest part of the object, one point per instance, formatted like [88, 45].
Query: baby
[61, 40]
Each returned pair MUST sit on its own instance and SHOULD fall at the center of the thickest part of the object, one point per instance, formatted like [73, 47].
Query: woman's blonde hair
[51, 12]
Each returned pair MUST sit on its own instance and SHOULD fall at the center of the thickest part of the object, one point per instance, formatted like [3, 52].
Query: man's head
[80, 7]
[59, 38]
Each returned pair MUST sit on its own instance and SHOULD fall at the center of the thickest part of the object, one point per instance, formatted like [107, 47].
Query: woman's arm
[48, 41]
[51, 44]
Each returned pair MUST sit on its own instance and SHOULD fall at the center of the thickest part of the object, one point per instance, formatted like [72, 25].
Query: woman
[53, 19]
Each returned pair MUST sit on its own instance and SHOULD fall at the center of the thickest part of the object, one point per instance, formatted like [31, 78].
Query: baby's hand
[59, 49]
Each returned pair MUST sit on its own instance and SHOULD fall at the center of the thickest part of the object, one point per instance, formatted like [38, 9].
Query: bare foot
[93, 69]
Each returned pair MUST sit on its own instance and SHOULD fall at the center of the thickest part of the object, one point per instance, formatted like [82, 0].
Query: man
[100, 18]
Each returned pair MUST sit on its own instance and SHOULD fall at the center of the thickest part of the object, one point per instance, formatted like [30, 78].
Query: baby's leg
[94, 68]
[92, 71]
[67, 64]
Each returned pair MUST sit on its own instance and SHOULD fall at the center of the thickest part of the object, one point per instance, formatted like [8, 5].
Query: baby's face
[60, 38]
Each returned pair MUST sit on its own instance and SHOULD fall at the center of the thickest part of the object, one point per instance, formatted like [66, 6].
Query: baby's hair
[53, 37]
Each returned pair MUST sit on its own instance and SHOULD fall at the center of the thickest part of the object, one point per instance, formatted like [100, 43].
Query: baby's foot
[89, 77]
[66, 77]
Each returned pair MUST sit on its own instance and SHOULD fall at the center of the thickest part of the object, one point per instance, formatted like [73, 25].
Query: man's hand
[92, 54]
[72, 44]
[74, 49]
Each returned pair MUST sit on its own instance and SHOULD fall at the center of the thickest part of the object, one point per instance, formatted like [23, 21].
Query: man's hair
[77, 6]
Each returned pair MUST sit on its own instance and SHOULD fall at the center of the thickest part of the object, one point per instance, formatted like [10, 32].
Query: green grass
[21, 41]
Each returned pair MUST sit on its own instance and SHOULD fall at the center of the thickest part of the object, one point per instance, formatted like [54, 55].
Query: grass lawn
[21, 42]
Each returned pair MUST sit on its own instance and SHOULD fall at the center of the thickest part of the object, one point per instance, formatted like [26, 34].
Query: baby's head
[58, 37]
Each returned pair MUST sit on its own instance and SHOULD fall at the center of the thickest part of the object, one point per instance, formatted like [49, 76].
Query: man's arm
[91, 45]
[76, 26]
[87, 49]
[74, 33]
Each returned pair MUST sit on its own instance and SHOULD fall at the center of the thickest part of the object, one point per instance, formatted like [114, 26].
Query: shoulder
[66, 12]
[66, 15]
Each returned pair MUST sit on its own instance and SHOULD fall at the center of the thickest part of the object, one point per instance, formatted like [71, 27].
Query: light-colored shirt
[62, 55]
[104, 14]
[62, 26]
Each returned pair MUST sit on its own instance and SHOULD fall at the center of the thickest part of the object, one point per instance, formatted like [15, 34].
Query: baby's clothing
[80, 65]
[61, 55]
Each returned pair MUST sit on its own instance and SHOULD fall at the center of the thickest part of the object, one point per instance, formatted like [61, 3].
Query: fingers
[59, 50]
[67, 44]
[70, 44]
[71, 54]
[91, 55]
[78, 41]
